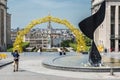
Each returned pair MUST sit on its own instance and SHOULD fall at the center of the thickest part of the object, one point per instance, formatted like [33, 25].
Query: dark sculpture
[88, 27]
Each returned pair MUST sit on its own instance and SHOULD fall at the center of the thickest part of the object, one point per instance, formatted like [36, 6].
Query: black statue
[88, 27]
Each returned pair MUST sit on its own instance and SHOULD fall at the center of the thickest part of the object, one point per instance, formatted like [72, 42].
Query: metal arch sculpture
[79, 38]
[88, 27]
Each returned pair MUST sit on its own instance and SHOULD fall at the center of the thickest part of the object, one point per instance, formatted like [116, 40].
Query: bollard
[111, 72]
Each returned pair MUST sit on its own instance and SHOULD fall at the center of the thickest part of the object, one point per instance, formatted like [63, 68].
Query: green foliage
[9, 46]
[66, 43]
[74, 46]
[32, 50]
[9, 49]
[71, 43]
[24, 45]
[88, 48]
[87, 41]
[35, 50]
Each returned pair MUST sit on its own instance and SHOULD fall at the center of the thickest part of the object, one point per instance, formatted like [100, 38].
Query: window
[112, 42]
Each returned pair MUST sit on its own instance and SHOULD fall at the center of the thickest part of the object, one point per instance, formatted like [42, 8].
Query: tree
[87, 41]
[66, 43]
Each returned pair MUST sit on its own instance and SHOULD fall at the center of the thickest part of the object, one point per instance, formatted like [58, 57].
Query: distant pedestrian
[40, 50]
[105, 50]
[60, 51]
[63, 51]
[16, 60]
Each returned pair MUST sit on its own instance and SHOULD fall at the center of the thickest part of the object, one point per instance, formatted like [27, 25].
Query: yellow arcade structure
[78, 35]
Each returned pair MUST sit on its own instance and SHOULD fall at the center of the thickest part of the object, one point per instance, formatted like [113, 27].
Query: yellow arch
[79, 38]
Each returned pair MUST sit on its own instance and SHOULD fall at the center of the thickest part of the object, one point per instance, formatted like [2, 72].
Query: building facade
[43, 38]
[5, 19]
[8, 26]
[14, 34]
[108, 33]
[47, 38]
[37, 38]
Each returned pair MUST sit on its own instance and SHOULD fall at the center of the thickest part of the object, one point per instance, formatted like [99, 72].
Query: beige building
[14, 34]
[40, 37]
[5, 19]
[108, 33]
[37, 38]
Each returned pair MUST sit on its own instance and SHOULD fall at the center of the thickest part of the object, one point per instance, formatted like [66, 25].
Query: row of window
[113, 18]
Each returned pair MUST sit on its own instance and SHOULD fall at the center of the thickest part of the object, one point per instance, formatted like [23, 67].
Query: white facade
[108, 33]
[13, 34]
[37, 39]
[40, 37]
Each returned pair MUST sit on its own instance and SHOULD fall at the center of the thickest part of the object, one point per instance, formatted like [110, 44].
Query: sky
[24, 11]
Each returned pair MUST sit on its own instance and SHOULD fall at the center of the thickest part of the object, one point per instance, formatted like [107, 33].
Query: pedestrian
[40, 50]
[60, 51]
[16, 60]
[63, 51]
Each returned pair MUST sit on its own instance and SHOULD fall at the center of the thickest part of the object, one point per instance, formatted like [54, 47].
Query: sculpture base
[94, 56]
[78, 63]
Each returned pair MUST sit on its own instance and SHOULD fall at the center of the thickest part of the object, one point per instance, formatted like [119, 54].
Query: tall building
[108, 33]
[5, 20]
[8, 26]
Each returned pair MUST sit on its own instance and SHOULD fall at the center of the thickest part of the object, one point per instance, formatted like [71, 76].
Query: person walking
[16, 60]
[60, 51]
[40, 50]
[63, 51]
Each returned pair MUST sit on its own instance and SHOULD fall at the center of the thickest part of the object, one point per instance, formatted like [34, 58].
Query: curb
[49, 63]
[6, 64]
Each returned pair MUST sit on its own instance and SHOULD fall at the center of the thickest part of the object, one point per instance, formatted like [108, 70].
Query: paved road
[31, 69]
[6, 73]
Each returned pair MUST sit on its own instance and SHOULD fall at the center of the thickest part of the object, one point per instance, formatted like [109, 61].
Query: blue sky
[24, 11]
